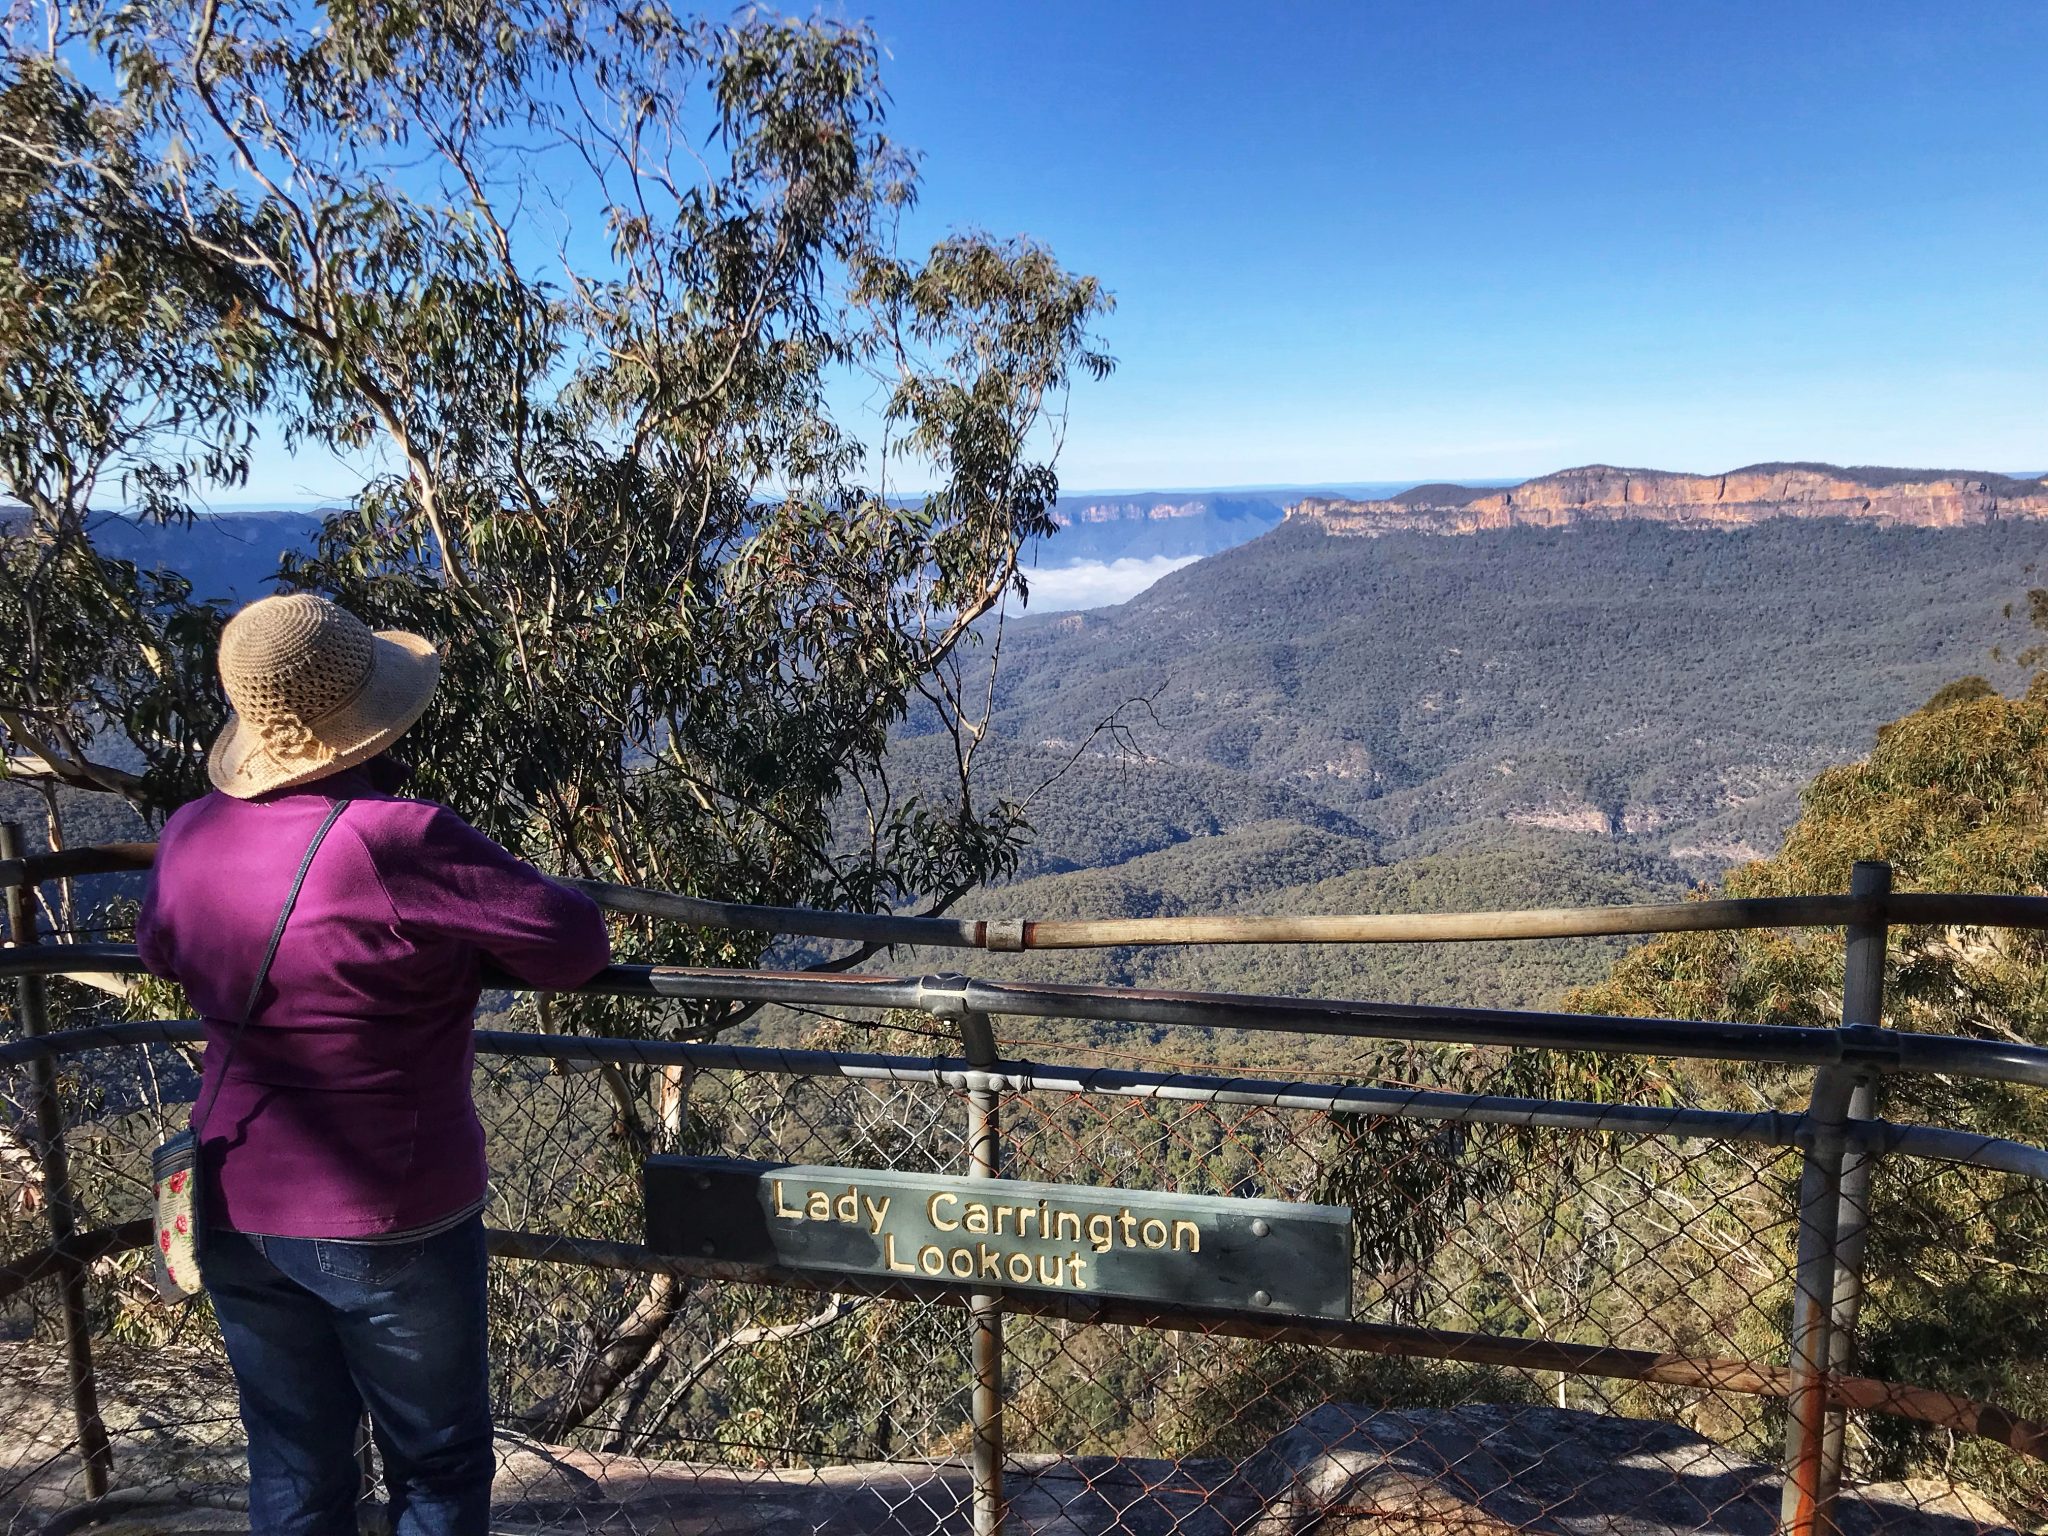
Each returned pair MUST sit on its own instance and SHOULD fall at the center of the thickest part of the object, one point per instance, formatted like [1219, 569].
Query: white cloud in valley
[1097, 583]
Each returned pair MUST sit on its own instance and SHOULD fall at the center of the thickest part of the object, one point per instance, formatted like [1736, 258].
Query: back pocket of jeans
[367, 1263]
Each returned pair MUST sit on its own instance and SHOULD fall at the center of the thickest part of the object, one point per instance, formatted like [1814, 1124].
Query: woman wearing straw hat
[342, 1163]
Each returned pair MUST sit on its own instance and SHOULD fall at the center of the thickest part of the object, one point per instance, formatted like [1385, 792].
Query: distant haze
[1098, 583]
[1111, 546]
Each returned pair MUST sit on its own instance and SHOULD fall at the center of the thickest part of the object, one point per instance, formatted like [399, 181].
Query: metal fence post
[58, 1200]
[985, 1308]
[1834, 1203]
[1862, 1007]
[1813, 1298]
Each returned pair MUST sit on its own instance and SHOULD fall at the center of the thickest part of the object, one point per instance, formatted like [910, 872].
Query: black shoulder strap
[263, 971]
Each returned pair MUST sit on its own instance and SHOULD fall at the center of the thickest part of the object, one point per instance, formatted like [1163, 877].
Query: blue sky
[1378, 241]
[1372, 240]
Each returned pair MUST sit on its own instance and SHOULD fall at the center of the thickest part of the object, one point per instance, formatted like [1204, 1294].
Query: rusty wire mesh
[1955, 1299]
[1661, 1245]
[638, 1402]
[39, 1464]
[161, 1381]
[758, 1392]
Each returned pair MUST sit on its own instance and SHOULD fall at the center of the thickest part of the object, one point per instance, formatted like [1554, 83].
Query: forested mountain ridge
[1618, 690]
[235, 555]
[1920, 498]
[1637, 703]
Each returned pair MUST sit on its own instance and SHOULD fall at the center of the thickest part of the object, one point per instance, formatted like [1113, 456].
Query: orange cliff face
[1599, 492]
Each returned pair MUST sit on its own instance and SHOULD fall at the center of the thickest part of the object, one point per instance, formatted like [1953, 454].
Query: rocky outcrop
[1147, 509]
[1602, 493]
[1488, 1470]
[1147, 525]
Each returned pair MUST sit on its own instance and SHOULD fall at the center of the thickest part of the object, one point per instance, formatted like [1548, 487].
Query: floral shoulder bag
[174, 1166]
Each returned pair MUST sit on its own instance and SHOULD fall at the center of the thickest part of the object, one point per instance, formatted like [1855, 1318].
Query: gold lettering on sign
[851, 1206]
[984, 1262]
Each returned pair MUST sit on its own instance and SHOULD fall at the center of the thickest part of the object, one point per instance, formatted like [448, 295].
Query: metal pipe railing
[60, 1206]
[986, 1077]
[1840, 1134]
[1862, 1007]
[1022, 1075]
[1881, 1050]
[1753, 1378]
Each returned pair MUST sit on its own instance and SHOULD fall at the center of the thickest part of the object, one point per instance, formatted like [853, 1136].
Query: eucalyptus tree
[1952, 797]
[588, 286]
[700, 477]
[127, 373]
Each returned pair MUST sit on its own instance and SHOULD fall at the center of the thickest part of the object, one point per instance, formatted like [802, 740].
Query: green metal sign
[996, 1234]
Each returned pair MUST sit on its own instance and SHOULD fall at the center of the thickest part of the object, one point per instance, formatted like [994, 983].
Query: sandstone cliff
[1151, 524]
[1145, 509]
[1600, 492]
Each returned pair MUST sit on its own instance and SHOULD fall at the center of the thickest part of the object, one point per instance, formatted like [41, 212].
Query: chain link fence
[1564, 1316]
[635, 1401]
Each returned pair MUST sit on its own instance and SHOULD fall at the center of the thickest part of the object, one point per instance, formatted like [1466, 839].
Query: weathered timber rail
[1875, 908]
[1839, 1138]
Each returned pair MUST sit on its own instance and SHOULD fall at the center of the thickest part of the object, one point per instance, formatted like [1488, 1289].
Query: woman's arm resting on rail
[456, 881]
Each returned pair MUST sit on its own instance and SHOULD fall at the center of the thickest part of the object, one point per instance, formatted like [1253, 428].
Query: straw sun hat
[315, 691]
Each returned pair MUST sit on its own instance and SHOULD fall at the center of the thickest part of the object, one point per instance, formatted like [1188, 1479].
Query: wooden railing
[1838, 1134]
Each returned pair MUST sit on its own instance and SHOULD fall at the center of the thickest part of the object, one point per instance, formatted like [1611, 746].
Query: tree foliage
[127, 371]
[1953, 797]
[592, 285]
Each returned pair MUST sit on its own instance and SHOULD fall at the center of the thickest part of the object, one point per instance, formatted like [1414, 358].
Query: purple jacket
[346, 1110]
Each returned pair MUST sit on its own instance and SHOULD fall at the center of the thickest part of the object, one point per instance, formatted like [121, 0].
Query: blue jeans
[317, 1331]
